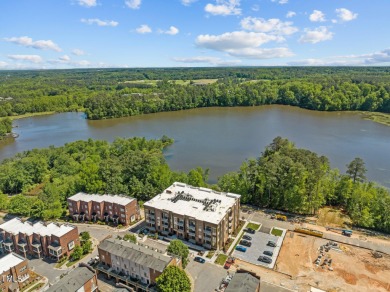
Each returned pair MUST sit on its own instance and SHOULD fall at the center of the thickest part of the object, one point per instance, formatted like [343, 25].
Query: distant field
[180, 82]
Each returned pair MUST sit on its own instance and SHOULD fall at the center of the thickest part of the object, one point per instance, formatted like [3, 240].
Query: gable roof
[73, 281]
[138, 254]
[243, 282]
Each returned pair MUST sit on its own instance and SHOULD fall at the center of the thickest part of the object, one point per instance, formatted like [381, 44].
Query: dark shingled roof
[136, 253]
[73, 281]
[243, 282]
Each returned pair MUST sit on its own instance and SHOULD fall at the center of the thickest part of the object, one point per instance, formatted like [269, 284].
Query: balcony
[207, 231]
[180, 223]
[191, 233]
[230, 218]
[55, 250]
[37, 248]
[9, 246]
[165, 219]
[166, 224]
[207, 245]
[22, 246]
[192, 228]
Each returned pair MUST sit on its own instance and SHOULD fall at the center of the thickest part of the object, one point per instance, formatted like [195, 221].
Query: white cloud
[99, 22]
[78, 52]
[3, 64]
[345, 15]
[317, 16]
[187, 2]
[133, 4]
[27, 58]
[255, 8]
[273, 25]
[144, 28]
[290, 14]
[281, 1]
[316, 35]
[65, 58]
[243, 44]
[377, 58]
[215, 61]
[172, 30]
[40, 44]
[87, 3]
[224, 7]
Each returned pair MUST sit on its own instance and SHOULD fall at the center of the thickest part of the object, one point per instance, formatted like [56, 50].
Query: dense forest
[109, 93]
[40, 180]
[300, 181]
[5, 127]
[283, 177]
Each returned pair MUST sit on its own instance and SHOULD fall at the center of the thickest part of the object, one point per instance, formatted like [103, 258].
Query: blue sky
[175, 33]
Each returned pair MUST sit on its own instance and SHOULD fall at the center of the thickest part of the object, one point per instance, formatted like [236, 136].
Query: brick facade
[13, 278]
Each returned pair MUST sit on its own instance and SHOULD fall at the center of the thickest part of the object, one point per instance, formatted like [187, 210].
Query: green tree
[356, 170]
[173, 279]
[20, 205]
[177, 247]
[85, 236]
[77, 253]
[130, 237]
[4, 201]
[86, 246]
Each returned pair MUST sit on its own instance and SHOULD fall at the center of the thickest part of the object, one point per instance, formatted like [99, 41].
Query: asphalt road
[207, 277]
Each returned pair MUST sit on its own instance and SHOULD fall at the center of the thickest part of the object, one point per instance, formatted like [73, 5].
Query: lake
[222, 138]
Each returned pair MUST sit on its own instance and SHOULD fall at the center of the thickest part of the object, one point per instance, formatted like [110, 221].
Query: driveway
[207, 277]
[46, 269]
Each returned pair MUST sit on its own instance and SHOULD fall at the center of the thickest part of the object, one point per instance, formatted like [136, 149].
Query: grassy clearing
[332, 217]
[221, 259]
[204, 81]
[253, 226]
[381, 118]
[276, 232]
[31, 115]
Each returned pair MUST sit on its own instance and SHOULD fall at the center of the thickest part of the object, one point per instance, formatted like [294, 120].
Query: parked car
[246, 243]
[250, 230]
[271, 243]
[229, 262]
[265, 259]
[268, 253]
[199, 260]
[241, 248]
[247, 237]
[91, 261]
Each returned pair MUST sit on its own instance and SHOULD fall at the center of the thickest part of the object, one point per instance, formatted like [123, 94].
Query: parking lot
[259, 246]
[206, 276]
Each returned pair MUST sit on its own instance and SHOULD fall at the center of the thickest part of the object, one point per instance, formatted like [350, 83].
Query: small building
[14, 272]
[134, 265]
[80, 279]
[199, 215]
[244, 282]
[91, 207]
[39, 239]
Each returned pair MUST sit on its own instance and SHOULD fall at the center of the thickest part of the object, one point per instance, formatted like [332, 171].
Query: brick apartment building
[80, 279]
[13, 272]
[39, 239]
[199, 215]
[118, 209]
[133, 264]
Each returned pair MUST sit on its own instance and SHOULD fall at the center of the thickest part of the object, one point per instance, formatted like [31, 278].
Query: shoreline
[29, 115]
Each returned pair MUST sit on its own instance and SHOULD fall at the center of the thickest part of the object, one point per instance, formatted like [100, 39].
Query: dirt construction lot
[354, 269]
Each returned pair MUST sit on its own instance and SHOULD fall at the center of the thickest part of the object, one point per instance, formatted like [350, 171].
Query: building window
[110, 207]
[98, 212]
[98, 206]
[23, 269]
[122, 210]
[71, 209]
[110, 212]
[71, 245]
[123, 215]
[70, 203]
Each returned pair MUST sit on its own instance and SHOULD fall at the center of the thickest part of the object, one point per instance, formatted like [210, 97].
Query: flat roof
[9, 261]
[243, 282]
[16, 226]
[201, 203]
[73, 281]
[136, 253]
[118, 199]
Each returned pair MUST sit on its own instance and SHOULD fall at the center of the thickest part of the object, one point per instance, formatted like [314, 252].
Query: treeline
[44, 178]
[107, 93]
[5, 127]
[299, 181]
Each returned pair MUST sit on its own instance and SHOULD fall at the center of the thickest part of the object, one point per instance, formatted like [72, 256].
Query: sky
[56, 34]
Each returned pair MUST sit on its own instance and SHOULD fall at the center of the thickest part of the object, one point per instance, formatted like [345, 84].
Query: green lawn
[221, 259]
[276, 232]
[253, 226]
[210, 254]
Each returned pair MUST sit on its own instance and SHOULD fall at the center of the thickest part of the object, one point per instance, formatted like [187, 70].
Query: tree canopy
[173, 279]
[177, 247]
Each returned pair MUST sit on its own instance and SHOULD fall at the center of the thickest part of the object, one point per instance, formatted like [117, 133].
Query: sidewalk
[237, 238]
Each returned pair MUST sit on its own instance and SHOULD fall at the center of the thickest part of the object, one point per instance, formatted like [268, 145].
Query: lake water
[221, 138]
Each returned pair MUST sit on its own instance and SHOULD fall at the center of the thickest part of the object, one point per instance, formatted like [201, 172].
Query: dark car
[271, 243]
[246, 243]
[268, 253]
[265, 259]
[247, 237]
[250, 230]
[91, 261]
[199, 260]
